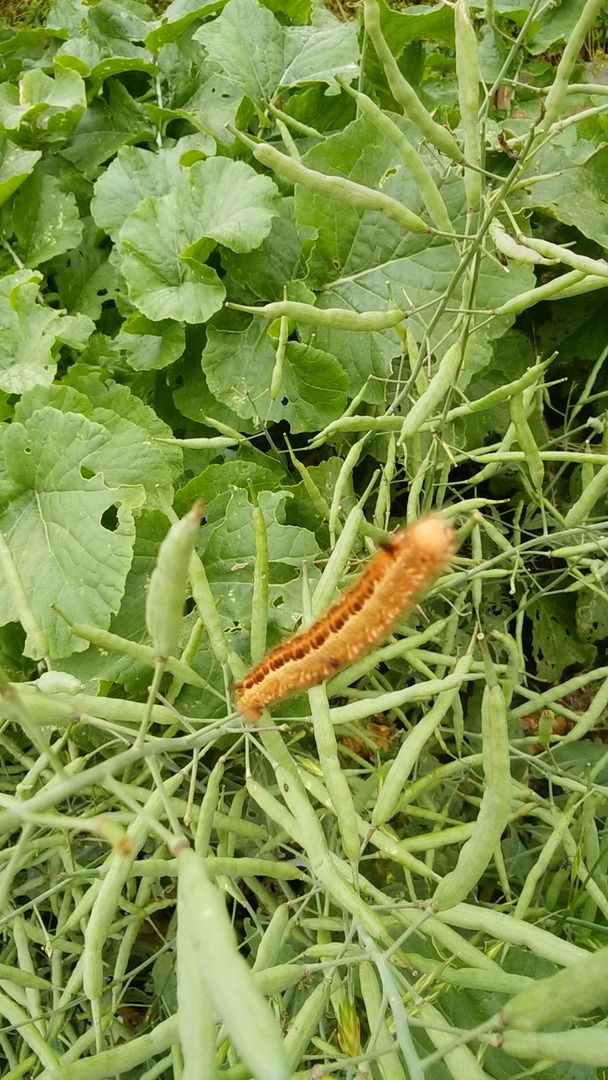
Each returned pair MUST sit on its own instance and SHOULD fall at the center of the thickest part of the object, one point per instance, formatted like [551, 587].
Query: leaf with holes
[69, 533]
[135, 453]
[239, 368]
[555, 642]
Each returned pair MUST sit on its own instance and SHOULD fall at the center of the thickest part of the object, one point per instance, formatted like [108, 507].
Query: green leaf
[95, 664]
[176, 18]
[194, 400]
[45, 219]
[12, 660]
[15, 167]
[51, 105]
[164, 242]
[34, 45]
[400, 27]
[315, 108]
[67, 552]
[575, 328]
[266, 270]
[72, 330]
[319, 52]
[592, 614]
[161, 284]
[229, 558]
[29, 333]
[131, 455]
[105, 127]
[555, 643]
[574, 190]
[134, 173]
[258, 55]
[556, 25]
[296, 11]
[86, 279]
[213, 105]
[227, 201]
[103, 41]
[217, 482]
[246, 41]
[512, 355]
[148, 345]
[362, 261]
[239, 369]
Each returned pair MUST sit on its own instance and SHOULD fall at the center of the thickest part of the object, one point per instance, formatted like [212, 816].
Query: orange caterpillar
[401, 571]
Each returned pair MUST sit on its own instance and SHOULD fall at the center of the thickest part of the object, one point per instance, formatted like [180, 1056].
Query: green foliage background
[179, 319]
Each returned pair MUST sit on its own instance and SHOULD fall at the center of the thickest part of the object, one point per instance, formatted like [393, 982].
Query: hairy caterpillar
[403, 569]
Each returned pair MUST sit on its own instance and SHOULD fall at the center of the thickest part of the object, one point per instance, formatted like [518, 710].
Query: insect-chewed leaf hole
[109, 519]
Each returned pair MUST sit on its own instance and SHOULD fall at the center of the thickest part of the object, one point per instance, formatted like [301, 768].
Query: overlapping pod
[168, 581]
[401, 571]
[575, 991]
[336, 187]
[494, 809]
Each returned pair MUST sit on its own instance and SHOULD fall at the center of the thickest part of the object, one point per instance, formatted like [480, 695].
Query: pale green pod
[554, 253]
[573, 283]
[403, 92]
[59, 682]
[270, 945]
[556, 98]
[306, 1023]
[443, 380]
[468, 79]
[168, 581]
[584, 1046]
[144, 654]
[107, 898]
[320, 503]
[412, 746]
[595, 489]
[493, 811]
[330, 579]
[277, 371]
[332, 318]
[575, 991]
[502, 393]
[516, 249]
[337, 187]
[195, 1020]
[333, 775]
[36, 642]
[518, 411]
[392, 1067]
[414, 165]
[236, 997]
[119, 1059]
[259, 602]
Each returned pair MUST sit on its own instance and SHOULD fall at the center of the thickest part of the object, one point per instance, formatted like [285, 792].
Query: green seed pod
[403, 92]
[493, 811]
[334, 318]
[336, 187]
[585, 1046]
[168, 581]
[577, 990]
[236, 998]
[518, 409]
[515, 249]
[414, 165]
[468, 80]
[442, 382]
